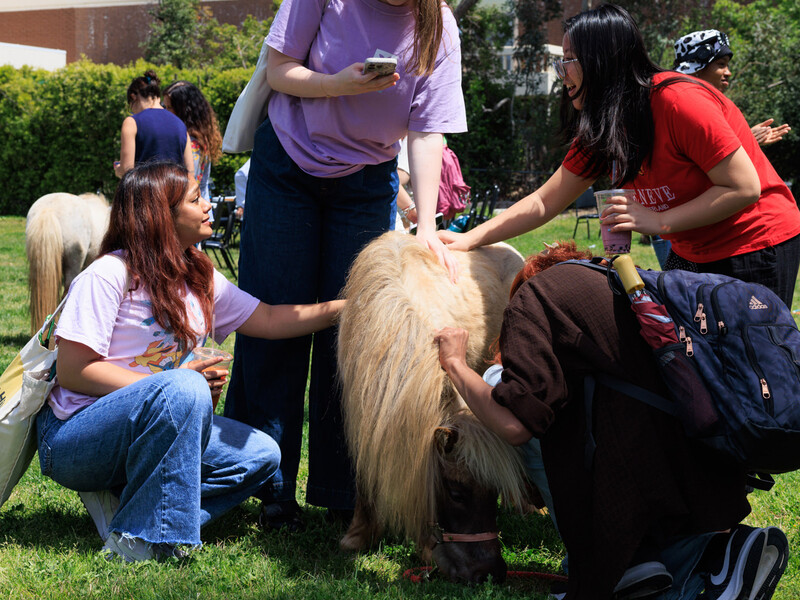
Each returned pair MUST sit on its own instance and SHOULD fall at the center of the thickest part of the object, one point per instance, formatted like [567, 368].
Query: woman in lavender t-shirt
[322, 184]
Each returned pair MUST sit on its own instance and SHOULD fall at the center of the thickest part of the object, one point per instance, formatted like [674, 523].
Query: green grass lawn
[50, 549]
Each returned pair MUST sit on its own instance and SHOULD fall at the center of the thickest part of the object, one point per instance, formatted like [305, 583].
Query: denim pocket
[45, 458]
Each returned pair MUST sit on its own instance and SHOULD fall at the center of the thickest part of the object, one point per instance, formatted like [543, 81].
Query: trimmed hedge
[60, 131]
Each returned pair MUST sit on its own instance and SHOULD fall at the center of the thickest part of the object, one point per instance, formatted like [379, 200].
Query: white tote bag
[250, 109]
[24, 387]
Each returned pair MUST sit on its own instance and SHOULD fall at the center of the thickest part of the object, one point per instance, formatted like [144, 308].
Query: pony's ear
[445, 438]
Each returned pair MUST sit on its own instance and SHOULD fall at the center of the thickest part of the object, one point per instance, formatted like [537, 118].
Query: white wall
[17, 55]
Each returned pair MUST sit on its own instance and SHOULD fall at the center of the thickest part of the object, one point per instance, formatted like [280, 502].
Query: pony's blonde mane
[395, 392]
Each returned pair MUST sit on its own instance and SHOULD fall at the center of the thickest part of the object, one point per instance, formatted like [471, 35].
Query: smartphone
[381, 66]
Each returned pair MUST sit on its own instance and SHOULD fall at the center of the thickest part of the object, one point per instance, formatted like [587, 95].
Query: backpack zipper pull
[681, 333]
[700, 317]
[722, 328]
[765, 393]
[689, 347]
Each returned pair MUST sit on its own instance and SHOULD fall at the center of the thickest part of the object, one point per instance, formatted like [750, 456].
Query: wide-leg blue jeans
[176, 467]
[300, 236]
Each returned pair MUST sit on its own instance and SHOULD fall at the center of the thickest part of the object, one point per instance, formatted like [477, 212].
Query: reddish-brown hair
[142, 225]
[536, 263]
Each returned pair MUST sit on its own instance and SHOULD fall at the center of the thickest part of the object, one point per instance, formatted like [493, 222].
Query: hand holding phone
[381, 66]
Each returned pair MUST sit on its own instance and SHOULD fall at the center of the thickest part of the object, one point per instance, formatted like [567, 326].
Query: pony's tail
[44, 247]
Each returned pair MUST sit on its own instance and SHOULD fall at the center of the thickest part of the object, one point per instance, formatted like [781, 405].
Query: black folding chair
[482, 207]
[584, 203]
[224, 227]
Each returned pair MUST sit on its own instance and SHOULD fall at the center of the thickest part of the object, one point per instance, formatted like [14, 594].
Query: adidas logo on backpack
[756, 304]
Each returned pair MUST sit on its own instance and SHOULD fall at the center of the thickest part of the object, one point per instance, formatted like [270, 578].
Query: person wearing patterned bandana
[707, 54]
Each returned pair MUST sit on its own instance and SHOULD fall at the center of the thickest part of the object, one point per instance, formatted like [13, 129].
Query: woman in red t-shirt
[701, 180]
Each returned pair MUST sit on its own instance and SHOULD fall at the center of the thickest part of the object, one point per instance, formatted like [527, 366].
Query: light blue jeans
[155, 442]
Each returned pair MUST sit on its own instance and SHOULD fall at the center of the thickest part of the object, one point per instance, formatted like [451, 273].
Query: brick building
[106, 31]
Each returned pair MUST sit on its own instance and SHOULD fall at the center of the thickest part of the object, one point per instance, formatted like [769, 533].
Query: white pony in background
[62, 236]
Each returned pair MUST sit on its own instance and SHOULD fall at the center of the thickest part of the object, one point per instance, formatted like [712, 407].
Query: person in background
[322, 182]
[130, 423]
[240, 182]
[151, 133]
[701, 180]
[707, 55]
[188, 103]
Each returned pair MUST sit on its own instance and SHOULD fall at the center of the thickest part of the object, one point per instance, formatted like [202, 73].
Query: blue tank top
[159, 135]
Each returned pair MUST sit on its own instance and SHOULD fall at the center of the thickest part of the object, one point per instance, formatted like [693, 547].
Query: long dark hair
[615, 123]
[190, 106]
[142, 224]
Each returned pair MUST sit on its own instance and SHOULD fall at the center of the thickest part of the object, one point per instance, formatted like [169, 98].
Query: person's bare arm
[425, 163]
[533, 211]
[289, 75]
[188, 158]
[290, 320]
[127, 151]
[736, 186]
[474, 390]
[82, 370]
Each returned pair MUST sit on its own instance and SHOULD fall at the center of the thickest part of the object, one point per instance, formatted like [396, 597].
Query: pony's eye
[457, 495]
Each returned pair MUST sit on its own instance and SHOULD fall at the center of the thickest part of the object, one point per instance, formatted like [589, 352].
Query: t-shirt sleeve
[90, 312]
[232, 307]
[576, 160]
[533, 384]
[438, 104]
[295, 26]
[697, 123]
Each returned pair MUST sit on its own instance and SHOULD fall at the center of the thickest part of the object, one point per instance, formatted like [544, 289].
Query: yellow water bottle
[628, 274]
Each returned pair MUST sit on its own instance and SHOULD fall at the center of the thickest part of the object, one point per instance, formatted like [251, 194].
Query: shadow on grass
[52, 521]
[18, 340]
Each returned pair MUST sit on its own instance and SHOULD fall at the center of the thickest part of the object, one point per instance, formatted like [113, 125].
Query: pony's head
[421, 457]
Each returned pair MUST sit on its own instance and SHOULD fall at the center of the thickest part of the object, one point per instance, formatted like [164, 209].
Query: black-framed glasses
[558, 65]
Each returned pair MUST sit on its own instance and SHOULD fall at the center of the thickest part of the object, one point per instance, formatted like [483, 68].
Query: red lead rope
[416, 575]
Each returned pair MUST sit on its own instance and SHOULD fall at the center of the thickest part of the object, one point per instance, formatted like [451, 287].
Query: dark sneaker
[558, 590]
[751, 565]
[645, 580]
[281, 516]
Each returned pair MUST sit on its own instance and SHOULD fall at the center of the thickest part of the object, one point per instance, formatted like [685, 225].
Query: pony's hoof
[354, 542]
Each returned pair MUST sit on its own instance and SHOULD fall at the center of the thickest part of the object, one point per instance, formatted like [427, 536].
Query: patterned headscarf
[699, 49]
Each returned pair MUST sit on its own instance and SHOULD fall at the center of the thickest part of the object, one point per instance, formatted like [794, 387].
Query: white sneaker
[130, 549]
[102, 506]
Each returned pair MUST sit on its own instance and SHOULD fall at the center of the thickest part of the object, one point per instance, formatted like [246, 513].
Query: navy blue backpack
[734, 374]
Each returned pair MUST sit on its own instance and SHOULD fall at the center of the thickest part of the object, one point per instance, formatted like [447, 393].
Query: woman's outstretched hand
[442, 252]
[452, 346]
[453, 240]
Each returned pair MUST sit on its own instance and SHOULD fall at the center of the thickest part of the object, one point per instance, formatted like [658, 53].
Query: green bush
[61, 130]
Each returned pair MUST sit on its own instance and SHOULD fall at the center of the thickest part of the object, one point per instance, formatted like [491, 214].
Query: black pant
[774, 267]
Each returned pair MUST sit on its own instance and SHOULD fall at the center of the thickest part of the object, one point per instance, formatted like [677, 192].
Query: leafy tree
[187, 35]
[493, 147]
[766, 81]
[174, 32]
